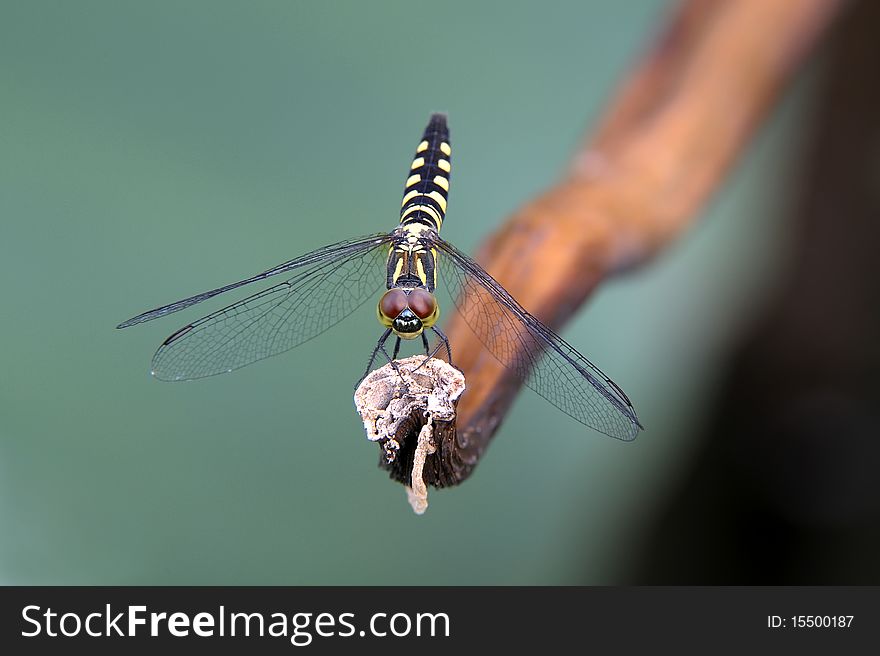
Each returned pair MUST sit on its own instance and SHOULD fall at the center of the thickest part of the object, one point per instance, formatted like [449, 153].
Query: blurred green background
[153, 150]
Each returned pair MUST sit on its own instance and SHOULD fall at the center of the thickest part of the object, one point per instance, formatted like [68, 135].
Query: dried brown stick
[664, 145]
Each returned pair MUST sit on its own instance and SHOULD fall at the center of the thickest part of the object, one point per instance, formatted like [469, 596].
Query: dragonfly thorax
[408, 311]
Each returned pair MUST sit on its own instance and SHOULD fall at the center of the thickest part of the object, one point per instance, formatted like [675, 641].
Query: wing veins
[351, 245]
[531, 358]
[253, 328]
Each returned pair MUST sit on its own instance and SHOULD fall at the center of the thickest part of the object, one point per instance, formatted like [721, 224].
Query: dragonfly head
[408, 311]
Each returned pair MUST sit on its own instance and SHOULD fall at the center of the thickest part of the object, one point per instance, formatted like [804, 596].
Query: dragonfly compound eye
[423, 304]
[392, 303]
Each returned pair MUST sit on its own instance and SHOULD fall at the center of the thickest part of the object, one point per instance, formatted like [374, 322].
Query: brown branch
[800, 378]
[663, 146]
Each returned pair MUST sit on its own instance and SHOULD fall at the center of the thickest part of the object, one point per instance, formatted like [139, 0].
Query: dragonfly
[320, 289]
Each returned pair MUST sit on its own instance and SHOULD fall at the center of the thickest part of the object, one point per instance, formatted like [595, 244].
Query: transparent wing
[534, 352]
[332, 252]
[328, 285]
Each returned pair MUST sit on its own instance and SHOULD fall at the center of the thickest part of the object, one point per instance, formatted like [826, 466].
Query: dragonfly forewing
[321, 294]
[533, 352]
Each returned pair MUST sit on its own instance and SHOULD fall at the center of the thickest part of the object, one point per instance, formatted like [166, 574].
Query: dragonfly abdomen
[427, 187]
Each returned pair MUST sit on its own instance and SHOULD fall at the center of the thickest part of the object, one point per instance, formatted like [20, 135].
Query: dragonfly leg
[390, 359]
[444, 341]
[380, 346]
[396, 349]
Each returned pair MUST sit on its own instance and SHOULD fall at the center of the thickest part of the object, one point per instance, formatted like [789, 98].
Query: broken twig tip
[409, 409]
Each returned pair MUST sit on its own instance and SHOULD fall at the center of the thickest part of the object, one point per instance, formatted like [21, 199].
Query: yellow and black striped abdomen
[427, 187]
